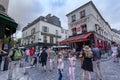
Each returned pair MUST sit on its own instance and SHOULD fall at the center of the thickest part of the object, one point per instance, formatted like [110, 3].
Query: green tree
[19, 41]
[5, 40]
[12, 42]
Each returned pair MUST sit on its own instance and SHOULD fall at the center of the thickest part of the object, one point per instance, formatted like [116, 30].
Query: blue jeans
[0, 66]
[26, 58]
[60, 74]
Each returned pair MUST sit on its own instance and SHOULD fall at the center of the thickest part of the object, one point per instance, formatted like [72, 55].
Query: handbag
[82, 59]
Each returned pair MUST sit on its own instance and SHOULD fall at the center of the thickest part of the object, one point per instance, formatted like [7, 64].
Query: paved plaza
[110, 71]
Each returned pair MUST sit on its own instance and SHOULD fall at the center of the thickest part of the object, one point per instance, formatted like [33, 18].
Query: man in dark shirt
[43, 58]
[96, 61]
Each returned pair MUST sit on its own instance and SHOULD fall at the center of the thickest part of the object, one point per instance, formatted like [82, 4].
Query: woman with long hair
[87, 65]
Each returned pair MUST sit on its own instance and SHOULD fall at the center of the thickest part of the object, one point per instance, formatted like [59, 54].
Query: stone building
[44, 31]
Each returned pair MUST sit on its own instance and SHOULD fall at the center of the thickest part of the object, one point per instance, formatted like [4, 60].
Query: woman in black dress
[87, 63]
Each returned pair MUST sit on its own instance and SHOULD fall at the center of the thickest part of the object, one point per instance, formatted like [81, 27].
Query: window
[51, 39]
[62, 30]
[96, 28]
[45, 39]
[73, 18]
[56, 39]
[45, 29]
[2, 8]
[82, 14]
[65, 31]
[33, 31]
[33, 37]
[57, 32]
[26, 33]
[74, 31]
[84, 28]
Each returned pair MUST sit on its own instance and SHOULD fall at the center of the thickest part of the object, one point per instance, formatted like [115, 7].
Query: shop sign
[78, 22]
[77, 29]
[99, 37]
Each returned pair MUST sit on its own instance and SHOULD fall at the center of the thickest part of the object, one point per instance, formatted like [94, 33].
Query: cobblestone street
[110, 71]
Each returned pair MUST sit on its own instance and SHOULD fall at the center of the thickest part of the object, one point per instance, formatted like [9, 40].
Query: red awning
[78, 38]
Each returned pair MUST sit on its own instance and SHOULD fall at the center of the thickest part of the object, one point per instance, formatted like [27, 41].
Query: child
[60, 66]
[72, 66]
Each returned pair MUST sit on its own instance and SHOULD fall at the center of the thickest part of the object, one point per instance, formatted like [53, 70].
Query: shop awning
[9, 25]
[78, 38]
[6, 20]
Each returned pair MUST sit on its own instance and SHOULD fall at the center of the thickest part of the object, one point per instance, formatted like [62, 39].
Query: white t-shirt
[114, 50]
[27, 52]
[60, 66]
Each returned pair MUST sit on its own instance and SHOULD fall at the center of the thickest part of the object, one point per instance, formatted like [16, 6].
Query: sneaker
[33, 66]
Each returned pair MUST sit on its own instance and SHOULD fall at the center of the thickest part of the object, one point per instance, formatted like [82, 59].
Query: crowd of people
[90, 58]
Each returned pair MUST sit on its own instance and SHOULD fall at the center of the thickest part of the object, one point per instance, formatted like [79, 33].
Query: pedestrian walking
[118, 56]
[40, 55]
[27, 55]
[96, 61]
[114, 52]
[35, 59]
[51, 57]
[72, 63]
[32, 52]
[60, 65]
[15, 55]
[43, 58]
[87, 65]
[74, 50]
[2, 53]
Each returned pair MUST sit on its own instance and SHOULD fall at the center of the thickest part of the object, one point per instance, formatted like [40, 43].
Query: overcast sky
[25, 11]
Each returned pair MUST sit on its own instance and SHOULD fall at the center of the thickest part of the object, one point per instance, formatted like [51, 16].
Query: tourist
[60, 65]
[72, 62]
[14, 57]
[51, 56]
[87, 65]
[43, 58]
[96, 61]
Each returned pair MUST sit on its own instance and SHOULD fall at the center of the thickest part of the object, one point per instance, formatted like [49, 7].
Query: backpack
[17, 55]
